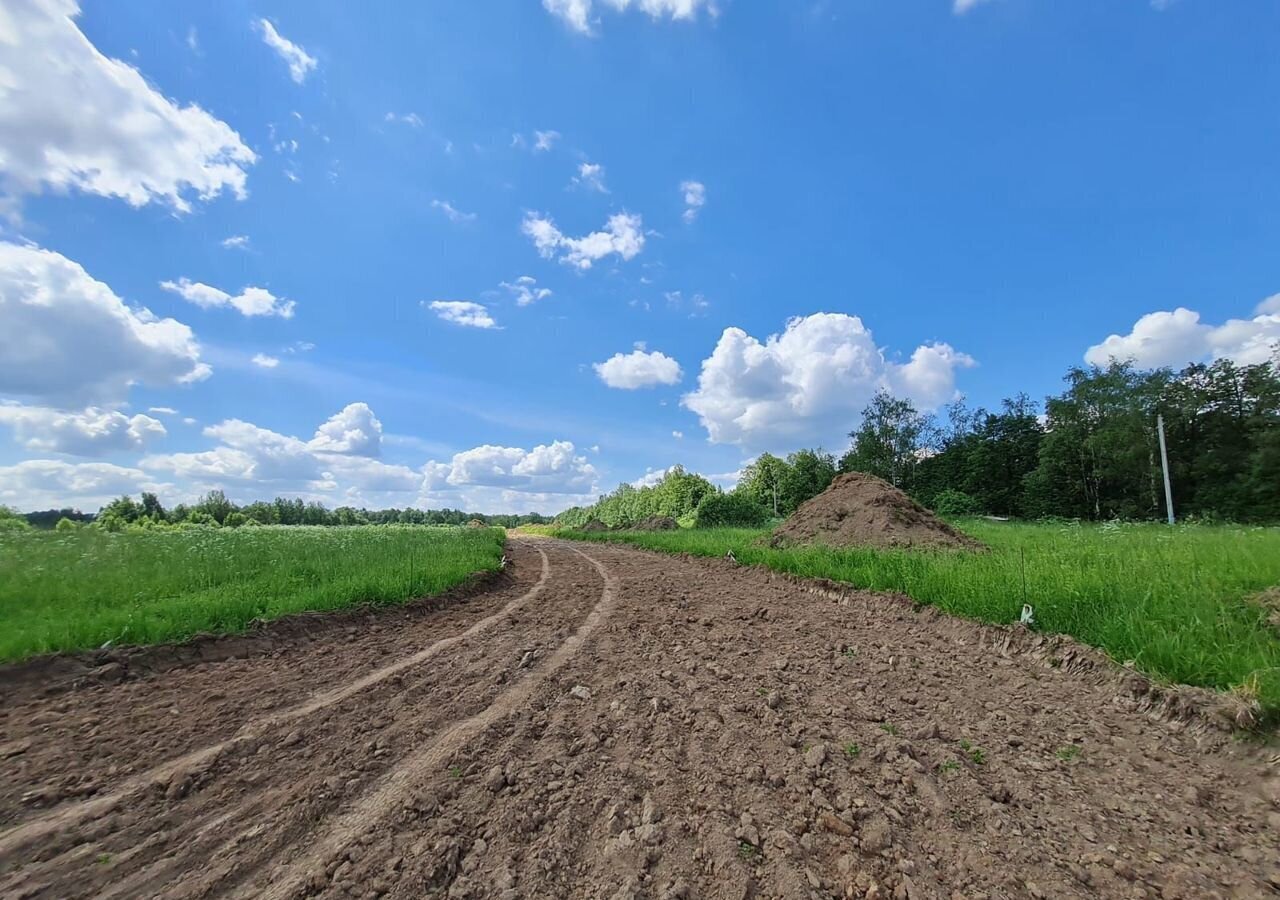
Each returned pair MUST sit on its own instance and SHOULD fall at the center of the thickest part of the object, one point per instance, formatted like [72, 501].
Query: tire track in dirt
[376, 806]
[40, 827]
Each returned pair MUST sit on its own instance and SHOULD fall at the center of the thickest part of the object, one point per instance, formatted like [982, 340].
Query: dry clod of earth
[655, 523]
[434, 756]
[860, 510]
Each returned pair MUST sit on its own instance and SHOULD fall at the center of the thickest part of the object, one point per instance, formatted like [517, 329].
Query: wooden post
[1164, 468]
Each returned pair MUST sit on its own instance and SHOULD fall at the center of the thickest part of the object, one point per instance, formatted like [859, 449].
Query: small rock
[649, 811]
[876, 835]
[495, 780]
[773, 700]
[815, 755]
[580, 692]
[834, 824]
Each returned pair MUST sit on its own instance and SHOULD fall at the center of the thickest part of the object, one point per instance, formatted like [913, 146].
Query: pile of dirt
[655, 523]
[860, 510]
[594, 525]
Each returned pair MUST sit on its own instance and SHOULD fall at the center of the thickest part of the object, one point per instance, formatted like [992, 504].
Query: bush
[717, 510]
[235, 519]
[955, 503]
[65, 524]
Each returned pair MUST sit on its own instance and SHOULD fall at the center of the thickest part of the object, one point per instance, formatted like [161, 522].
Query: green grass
[77, 590]
[1172, 600]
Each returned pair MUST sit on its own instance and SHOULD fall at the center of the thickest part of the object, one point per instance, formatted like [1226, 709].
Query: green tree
[764, 481]
[890, 441]
[808, 474]
[215, 505]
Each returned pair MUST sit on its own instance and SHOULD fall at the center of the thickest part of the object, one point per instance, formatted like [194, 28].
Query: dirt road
[608, 723]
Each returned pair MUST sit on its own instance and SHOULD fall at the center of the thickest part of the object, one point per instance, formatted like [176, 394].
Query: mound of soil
[860, 510]
[594, 525]
[655, 523]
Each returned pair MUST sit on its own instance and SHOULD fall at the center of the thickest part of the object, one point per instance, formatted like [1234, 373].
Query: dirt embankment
[613, 724]
[860, 510]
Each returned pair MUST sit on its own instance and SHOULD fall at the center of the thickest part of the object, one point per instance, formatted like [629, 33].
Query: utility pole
[1164, 468]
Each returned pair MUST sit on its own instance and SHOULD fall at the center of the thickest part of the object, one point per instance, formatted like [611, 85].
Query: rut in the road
[199, 760]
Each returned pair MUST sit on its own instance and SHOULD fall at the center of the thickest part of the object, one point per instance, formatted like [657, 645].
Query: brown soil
[655, 523]
[860, 510]
[594, 525]
[607, 723]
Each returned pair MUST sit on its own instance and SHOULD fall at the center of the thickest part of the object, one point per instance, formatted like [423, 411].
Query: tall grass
[1172, 600]
[77, 590]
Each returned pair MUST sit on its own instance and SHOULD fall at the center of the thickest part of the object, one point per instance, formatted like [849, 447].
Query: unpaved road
[608, 723]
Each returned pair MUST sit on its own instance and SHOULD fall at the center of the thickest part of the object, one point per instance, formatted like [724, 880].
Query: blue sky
[507, 256]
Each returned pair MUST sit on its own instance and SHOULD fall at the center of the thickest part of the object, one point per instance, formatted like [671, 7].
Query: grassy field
[1173, 600]
[77, 590]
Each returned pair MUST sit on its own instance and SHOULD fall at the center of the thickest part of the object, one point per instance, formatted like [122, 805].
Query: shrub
[719, 510]
[235, 519]
[65, 524]
[955, 503]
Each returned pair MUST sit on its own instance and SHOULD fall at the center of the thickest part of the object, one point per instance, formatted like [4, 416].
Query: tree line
[1092, 452]
[216, 509]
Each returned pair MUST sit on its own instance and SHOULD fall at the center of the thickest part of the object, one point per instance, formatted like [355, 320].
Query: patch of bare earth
[634, 726]
[860, 510]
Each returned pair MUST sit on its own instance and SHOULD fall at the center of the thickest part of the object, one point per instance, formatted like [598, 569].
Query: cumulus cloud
[71, 118]
[577, 13]
[1179, 337]
[67, 340]
[591, 177]
[525, 290]
[553, 468]
[453, 214]
[623, 235]
[265, 362]
[251, 301]
[90, 432]
[354, 431]
[236, 242]
[695, 197]
[301, 64]
[638, 369]
[463, 312]
[809, 384]
[52, 484]
[253, 462]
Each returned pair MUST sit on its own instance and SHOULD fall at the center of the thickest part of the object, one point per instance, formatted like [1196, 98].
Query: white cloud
[67, 340]
[71, 118]
[453, 214]
[545, 140]
[1178, 338]
[54, 484]
[638, 369]
[338, 464]
[90, 432]
[236, 242]
[552, 468]
[623, 235]
[251, 301]
[960, 7]
[525, 290]
[300, 63]
[809, 384]
[411, 119]
[463, 312]
[263, 361]
[591, 177]
[695, 197]
[163, 411]
[651, 477]
[577, 13]
[354, 431]
[678, 435]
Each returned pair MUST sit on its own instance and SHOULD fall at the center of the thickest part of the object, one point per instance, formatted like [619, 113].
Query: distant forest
[215, 509]
[1092, 452]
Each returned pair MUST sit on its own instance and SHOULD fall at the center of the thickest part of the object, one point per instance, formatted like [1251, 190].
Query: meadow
[77, 590]
[1175, 601]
